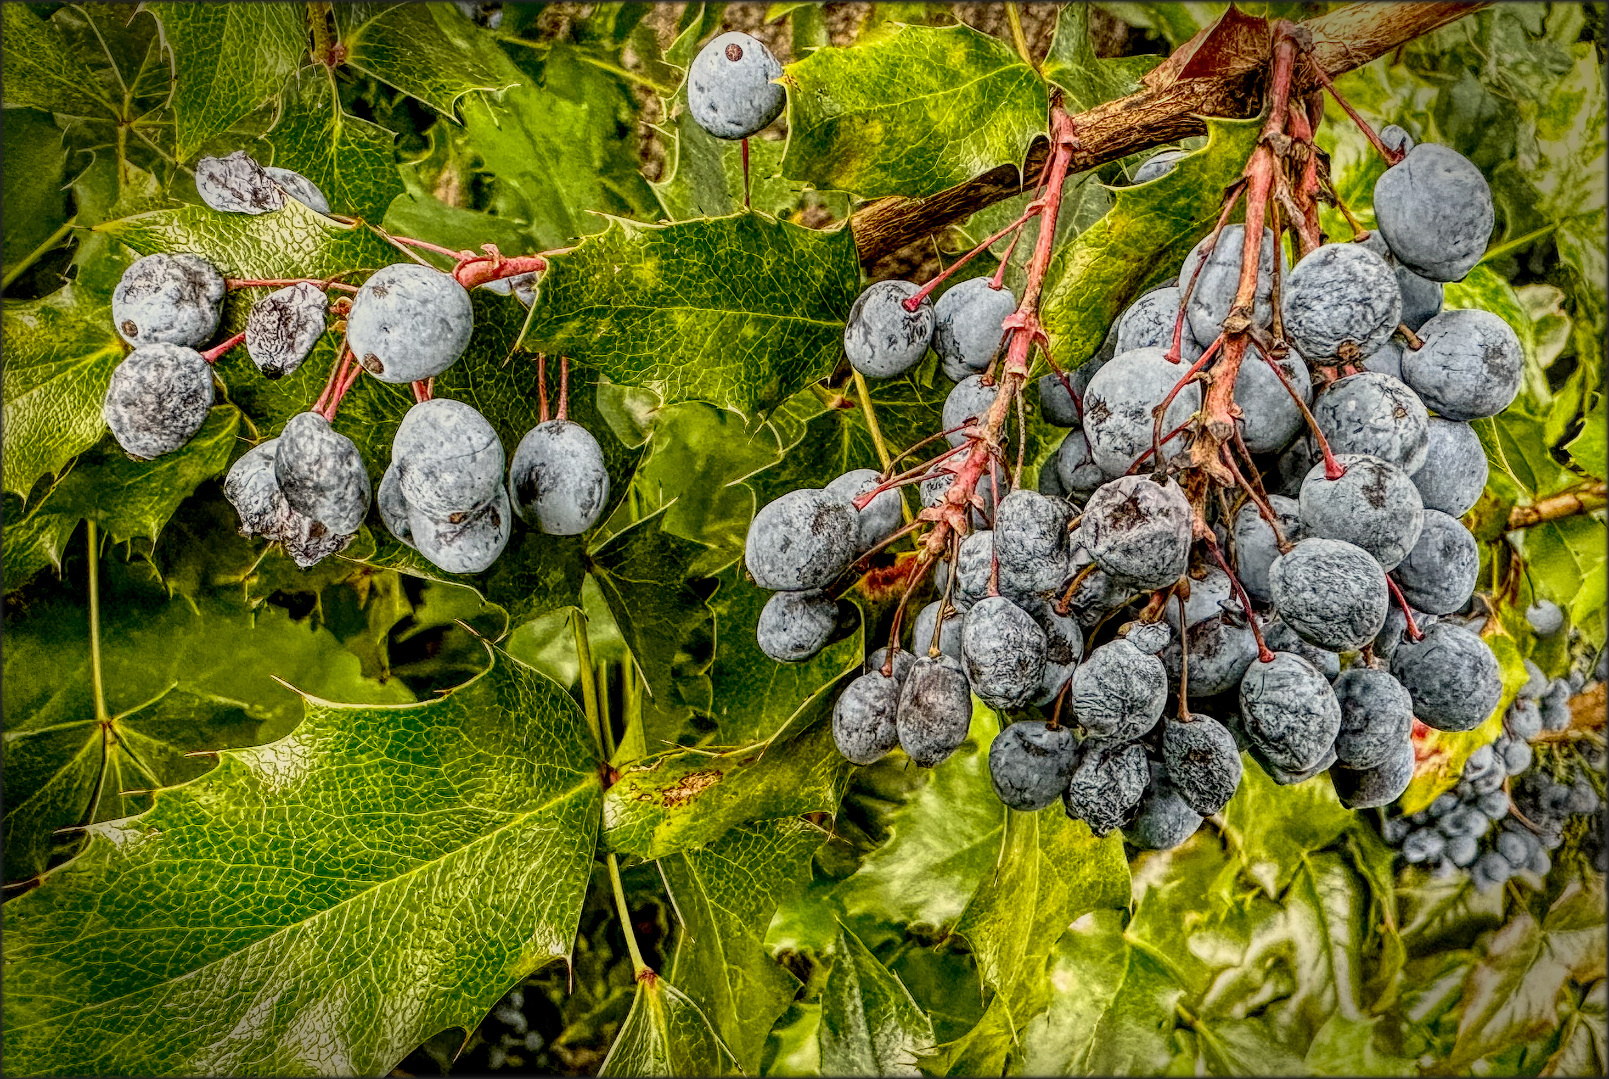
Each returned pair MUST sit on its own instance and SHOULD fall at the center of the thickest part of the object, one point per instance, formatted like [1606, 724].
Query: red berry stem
[1396, 593]
[1323, 77]
[212, 354]
[914, 300]
[337, 373]
[564, 387]
[541, 387]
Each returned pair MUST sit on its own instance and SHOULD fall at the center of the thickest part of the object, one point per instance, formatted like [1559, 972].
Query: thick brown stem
[1582, 499]
[1343, 40]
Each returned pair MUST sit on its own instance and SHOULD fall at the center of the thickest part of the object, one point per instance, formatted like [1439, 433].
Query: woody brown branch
[1582, 499]
[1341, 41]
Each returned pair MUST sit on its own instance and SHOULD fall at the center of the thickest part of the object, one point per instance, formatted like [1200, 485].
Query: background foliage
[365, 804]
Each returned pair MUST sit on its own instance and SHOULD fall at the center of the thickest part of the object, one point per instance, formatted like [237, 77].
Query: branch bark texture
[1341, 41]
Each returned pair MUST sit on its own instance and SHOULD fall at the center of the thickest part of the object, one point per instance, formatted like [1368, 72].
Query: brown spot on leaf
[688, 787]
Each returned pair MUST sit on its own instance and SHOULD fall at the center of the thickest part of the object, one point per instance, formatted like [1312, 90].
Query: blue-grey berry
[1149, 323]
[1369, 788]
[1056, 404]
[1215, 287]
[393, 506]
[168, 299]
[1434, 209]
[236, 184]
[1118, 406]
[1029, 763]
[1256, 546]
[1075, 465]
[1004, 652]
[409, 322]
[863, 720]
[1376, 717]
[1139, 531]
[466, 543]
[1289, 711]
[1159, 164]
[448, 458]
[882, 338]
[794, 626]
[1452, 676]
[1454, 471]
[321, 473]
[882, 516]
[1374, 505]
[1374, 414]
[1030, 533]
[968, 402]
[1164, 819]
[1106, 785]
[1332, 593]
[299, 187]
[935, 710]
[158, 399]
[1201, 761]
[1438, 575]
[284, 326]
[252, 489]
[1119, 692]
[1340, 303]
[1544, 617]
[731, 86]
[927, 620]
[1271, 418]
[966, 325]
[1468, 366]
[558, 481]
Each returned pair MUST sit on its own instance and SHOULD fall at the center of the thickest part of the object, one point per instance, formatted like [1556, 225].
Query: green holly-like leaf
[228, 61]
[43, 72]
[912, 113]
[60, 354]
[942, 844]
[555, 156]
[187, 675]
[1587, 449]
[1112, 1006]
[869, 1023]
[666, 1033]
[1049, 871]
[662, 613]
[1566, 561]
[1145, 235]
[428, 51]
[468, 825]
[755, 696]
[686, 799]
[741, 311]
[1072, 65]
[705, 174]
[36, 203]
[725, 895]
[349, 159]
[1272, 826]
[126, 498]
[294, 241]
[68, 768]
[1513, 993]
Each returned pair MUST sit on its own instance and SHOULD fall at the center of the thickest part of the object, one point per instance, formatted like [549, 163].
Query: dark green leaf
[741, 311]
[60, 354]
[755, 696]
[725, 895]
[428, 51]
[661, 612]
[869, 1023]
[126, 498]
[941, 845]
[1346, 1046]
[912, 113]
[1271, 827]
[42, 72]
[35, 202]
[687, 799]
[228, 61]
[289, 242]
[1072, 65]
[1150, 227]
[349, 159]
[562, 155]
[1112, 1006]
[467, 838]
[665, 1033]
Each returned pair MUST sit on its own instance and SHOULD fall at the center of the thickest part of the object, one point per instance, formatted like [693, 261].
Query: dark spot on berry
[734, 52]
[130, 329]
[371, 363]
[378, 291]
